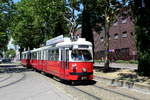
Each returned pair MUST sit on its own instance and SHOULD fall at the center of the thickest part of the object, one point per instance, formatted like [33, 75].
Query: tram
[66, 58]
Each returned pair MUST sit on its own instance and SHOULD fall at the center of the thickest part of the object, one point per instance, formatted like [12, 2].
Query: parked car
[6, 60]
[0, 60]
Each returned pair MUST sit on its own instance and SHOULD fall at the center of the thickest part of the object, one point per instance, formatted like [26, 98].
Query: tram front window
[81, 55]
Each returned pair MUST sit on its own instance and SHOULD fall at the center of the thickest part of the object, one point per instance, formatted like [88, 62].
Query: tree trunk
[142, 34]
[87, 32]
[106, 63]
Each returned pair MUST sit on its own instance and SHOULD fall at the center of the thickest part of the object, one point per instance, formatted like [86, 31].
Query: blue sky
[16, 1]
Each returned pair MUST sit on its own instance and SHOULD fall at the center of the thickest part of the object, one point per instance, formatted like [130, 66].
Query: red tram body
[68, 60]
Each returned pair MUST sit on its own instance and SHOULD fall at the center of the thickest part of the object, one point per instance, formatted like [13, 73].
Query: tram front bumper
[81, 73]
[81, 76]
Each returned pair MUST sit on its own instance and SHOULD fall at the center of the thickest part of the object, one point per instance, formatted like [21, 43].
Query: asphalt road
[17, 83]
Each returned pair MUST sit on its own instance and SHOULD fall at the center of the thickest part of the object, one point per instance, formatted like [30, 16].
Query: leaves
[5, 18]
[36, 21]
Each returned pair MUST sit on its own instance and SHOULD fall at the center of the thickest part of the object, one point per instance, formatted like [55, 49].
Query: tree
[98, 15]
[10, 53]
[51, 14]
[142, 21]
[36, 21]
[5, 18]
[25, 33]
[88, 17]
[109, 11]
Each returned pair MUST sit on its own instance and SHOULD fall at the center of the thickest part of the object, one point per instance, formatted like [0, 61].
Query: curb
[126, 84]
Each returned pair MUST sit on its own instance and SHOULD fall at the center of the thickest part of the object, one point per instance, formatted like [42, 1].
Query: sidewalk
[118, 65]
[124, 78]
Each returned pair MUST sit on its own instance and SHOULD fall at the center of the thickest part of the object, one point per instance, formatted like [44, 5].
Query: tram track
[112, 91]
[96, 91]
[95, 96]
[80, 88]
[66, 86]
[20, 78]
[6, 78]
[97, 87]
[92, 96]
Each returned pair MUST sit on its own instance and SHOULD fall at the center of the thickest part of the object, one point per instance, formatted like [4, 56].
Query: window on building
[115, 24]
[102, 39]
[125, 51]
[124, 34]
[131, 33]
[102, 53]
[116, 36]
[109, 36]
[124, 21]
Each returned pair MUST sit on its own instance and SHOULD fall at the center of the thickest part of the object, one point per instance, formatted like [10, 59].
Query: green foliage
[5, 18]
[36, 21]
[3, 41]
[133, 61]
[141, 10]
[127, 62]
[10, 53]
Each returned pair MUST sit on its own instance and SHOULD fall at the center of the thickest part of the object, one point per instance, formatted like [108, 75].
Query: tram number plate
[84, 78]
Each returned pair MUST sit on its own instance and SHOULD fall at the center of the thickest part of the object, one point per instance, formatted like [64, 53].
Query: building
[122, 44]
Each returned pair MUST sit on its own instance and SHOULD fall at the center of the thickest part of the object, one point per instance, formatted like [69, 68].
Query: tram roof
[68, 42]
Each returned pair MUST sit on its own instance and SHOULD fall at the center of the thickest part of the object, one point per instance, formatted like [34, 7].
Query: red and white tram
[64, 58]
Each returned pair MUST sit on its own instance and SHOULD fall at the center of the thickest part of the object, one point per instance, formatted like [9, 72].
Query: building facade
[122, 45]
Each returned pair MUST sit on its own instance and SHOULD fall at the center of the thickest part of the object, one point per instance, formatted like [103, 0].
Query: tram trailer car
[25, 61]
[68, 60]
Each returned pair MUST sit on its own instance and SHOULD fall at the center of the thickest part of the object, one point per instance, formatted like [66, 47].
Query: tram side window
[42, 55]
[63, 55]
[35, 55]
[53, 55]
[57, 55]
[28, 55]
[32, 55]
[49, 54]
[22, 56]
[39, 55]
[45, 53]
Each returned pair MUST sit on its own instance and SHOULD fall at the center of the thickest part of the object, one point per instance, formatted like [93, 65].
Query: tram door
[64, 61]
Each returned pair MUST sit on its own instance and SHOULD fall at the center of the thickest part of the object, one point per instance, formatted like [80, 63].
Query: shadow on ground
[12, 69]
[72, 83]
[83, 83]
[101, 69]
[134, 77]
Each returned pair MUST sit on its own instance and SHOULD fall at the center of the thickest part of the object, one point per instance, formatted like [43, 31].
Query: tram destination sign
[55, 40]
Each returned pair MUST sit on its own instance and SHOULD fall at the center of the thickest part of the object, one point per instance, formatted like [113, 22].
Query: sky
[16, 1]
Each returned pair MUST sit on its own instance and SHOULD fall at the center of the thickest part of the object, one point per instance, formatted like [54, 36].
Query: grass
[127, 62]
[119, 61]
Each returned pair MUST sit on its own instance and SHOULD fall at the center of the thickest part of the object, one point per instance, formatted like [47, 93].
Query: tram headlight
[84, 69]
